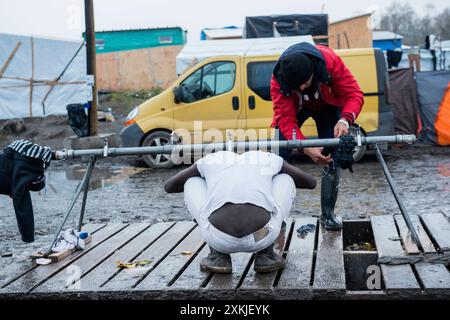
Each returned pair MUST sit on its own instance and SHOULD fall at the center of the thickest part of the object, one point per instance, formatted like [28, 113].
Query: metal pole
[90, 58]
[397, 198]
[249, 145]
[69, 210]
[89, 170]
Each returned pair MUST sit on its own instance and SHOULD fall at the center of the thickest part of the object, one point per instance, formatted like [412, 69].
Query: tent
[286, 25]
[403, 99]
[432, 87]
[442, 124]
[194, 52]
[40, 76]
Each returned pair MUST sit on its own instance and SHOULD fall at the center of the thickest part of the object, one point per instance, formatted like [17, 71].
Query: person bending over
[241, 204]
[313, 82]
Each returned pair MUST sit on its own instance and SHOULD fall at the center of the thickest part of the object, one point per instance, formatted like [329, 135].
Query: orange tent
[434, 103]
[442, 124]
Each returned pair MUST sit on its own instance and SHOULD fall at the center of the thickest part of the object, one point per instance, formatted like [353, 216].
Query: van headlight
[133, 114]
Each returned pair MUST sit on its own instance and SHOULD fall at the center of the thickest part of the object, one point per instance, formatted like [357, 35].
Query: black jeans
[325, 120]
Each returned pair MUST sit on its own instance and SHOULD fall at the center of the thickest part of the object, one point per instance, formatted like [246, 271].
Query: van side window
[258, 78]
[210, 80]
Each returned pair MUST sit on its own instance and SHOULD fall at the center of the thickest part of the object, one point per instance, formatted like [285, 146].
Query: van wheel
[158, 161]
[359, 151]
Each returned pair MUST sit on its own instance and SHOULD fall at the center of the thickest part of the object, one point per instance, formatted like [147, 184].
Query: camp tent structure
[40, 76]
[286, 25]
[433, 95]
[404, 102]
[442, 124]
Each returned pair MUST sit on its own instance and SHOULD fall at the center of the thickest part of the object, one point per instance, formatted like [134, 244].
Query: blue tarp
[203, 34]
[390, 44]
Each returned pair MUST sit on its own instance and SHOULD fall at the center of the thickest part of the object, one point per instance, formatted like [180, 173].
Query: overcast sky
[65, 18]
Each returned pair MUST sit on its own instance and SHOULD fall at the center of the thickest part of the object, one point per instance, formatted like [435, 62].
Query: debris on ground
[7, 254]
[396, 238]
[131, 265]
[41, 232]
[68, 240]
[305, 229]
[361, 246]
[43, 261]
[106, 116]
[186, 253]
[12, 126]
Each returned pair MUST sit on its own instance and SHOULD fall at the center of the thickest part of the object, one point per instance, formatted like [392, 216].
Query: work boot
[268, 260]
[216, 262]
[328, 197]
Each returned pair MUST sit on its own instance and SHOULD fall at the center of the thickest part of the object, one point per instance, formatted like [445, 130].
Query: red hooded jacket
[342, 91]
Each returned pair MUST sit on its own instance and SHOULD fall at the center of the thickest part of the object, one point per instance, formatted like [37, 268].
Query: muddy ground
[124, 190]
[52, 130]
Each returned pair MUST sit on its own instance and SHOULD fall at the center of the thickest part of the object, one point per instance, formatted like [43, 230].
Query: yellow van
[232, 92]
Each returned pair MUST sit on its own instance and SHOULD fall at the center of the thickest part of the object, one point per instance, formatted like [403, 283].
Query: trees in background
[400, 17]
[442, 24]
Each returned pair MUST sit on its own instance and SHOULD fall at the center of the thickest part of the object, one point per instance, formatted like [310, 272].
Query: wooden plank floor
[315, 269]
[416, 279]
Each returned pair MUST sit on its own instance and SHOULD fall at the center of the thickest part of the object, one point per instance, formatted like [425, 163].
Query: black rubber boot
[216, 262]
[328, 197]
[268, 260]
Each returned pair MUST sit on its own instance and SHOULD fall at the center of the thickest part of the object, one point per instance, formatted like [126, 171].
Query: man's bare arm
[301, 179]
[176, 183]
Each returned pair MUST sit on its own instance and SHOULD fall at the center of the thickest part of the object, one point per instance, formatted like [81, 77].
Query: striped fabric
[28, 149]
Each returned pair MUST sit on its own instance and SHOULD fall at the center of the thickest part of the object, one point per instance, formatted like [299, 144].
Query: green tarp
[111, 41]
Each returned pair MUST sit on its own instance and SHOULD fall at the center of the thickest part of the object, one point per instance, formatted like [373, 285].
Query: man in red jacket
[312, 81]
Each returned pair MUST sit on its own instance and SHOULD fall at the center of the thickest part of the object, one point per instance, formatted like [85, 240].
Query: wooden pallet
[318, 266]
[58, 256]
[405, 270]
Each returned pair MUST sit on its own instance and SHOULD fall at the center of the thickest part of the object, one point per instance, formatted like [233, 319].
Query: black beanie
[296, 69]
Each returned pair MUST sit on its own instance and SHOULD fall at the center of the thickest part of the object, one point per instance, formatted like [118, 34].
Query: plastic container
[83, 235]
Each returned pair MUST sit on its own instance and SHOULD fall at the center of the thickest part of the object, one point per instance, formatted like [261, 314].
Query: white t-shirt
[234, 178]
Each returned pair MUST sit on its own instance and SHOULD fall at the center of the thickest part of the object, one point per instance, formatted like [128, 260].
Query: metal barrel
[235, 146]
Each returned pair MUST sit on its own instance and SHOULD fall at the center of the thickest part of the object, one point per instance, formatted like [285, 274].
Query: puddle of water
[66, 178]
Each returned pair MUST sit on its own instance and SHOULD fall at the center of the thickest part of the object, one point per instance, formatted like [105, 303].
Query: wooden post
[346, 40]
[8, 61]
[90, 57]
[32, 78]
